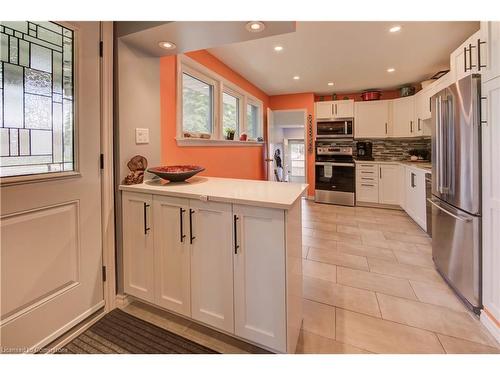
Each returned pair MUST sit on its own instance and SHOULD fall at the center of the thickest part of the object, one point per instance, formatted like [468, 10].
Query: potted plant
[229, 134]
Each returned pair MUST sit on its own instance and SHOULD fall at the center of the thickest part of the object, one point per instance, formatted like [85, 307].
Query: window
[212, 110]
[197, 105]
[231, 113]
[253, 121]
[36, 98]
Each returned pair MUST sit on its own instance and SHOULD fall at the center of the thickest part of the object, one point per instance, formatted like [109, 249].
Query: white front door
[50, 193]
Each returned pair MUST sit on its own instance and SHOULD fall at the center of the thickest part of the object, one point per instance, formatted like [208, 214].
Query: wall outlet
[141, 136]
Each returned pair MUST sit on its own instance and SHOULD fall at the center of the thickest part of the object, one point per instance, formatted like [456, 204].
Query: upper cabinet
[488, 50]
[466, 59]
[335, 109]
[371, 119]
[403, 117]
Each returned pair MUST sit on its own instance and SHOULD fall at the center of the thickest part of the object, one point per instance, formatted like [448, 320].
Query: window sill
[187, 142]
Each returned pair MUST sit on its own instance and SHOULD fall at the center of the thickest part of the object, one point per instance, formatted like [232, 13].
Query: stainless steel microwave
[341, 128]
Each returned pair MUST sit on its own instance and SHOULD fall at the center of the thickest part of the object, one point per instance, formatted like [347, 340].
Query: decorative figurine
[137, 166]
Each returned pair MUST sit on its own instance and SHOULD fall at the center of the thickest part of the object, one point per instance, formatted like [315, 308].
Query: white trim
[215, 142]
[221, 84]
[107, 185]
[490, 325]
[122, 300]
[61, 331]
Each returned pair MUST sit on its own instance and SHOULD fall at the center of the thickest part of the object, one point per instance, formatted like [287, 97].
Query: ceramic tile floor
[369, 287]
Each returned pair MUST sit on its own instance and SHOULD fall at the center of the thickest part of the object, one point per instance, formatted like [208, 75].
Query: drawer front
[367, 192]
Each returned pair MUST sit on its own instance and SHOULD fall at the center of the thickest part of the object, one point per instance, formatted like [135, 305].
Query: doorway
[286, 146]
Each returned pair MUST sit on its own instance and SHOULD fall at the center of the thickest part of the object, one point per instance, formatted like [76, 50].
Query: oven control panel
[333, 150]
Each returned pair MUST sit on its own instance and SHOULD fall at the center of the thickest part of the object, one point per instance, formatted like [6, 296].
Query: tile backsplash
[397, 149]
[392, 149]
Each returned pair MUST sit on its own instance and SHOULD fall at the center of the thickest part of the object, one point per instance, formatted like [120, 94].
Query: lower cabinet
[389, 191]
[415, 200]
[211, 234]
[172, 254]
[221, 264]
[138, 255]
[378, 183]
[259, 275]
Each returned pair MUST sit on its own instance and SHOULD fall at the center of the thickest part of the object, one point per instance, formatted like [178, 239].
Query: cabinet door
[415, 204]
[491, 197]
[324, 110]
[422, 105]
[459, 61]
[343, 108]
[489, 50]
[403, 122]
[259, 276]
[389, 187]
[211, 263]
[371, 119]
[172, 256]
[138, 245]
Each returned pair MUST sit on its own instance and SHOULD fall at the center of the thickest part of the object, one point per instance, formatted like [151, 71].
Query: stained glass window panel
[36, 98]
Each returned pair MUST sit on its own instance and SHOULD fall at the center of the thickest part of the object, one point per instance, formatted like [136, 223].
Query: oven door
[335, 176]
[334, 129]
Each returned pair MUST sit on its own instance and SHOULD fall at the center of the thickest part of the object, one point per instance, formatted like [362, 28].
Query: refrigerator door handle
[439, 144]
[466, 220]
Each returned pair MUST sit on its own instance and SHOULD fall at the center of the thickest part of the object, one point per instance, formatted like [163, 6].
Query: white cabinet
[259, 276]
[403, 117]
[371, 119]
[423, 104]
[491, 203]
[464, 60]
[367, 182]
[335, 109]
[415, 200]
[172, 254]
[378, 183]
[489, 50]
[211, 263]
[389, 187]
[138, 245]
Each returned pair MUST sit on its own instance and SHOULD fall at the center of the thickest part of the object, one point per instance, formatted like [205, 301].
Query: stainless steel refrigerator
[456, 188]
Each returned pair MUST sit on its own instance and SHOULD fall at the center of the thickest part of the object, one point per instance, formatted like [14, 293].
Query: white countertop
[250, 192]
[426, 166]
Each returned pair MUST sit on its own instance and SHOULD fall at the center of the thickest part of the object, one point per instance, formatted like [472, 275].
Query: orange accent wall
[298, 101]
[225, 161]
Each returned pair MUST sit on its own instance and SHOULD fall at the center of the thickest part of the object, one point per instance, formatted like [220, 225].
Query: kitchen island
[226, 253]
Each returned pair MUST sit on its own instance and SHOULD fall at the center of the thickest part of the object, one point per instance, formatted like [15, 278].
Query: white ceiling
[353, 55]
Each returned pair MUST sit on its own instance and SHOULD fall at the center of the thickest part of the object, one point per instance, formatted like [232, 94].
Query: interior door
[51, 217]
[271, 146]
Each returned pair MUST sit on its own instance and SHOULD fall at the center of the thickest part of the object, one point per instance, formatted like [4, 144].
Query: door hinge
[101, 161]
[103, 273]
[101, 48]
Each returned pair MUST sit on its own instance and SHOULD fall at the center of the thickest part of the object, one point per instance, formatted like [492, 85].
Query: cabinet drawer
[367, 179]
[367, 167]
[367, 192]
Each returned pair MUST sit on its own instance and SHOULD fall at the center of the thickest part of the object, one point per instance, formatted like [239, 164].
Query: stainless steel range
[335, 174]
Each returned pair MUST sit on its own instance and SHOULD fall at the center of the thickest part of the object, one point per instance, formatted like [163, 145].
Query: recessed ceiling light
[330, 83]
[167, 45]
[390, 70]
[296, 77]
[395, 29]
[255, 26]
[278, 48]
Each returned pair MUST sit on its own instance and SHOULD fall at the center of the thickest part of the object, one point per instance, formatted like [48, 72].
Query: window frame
[260, 115]
[221, 86]
[75, 173]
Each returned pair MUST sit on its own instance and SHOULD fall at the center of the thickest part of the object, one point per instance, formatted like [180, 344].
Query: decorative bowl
[176, 173]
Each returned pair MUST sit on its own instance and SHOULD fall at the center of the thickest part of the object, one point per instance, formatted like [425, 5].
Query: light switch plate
[141, 135]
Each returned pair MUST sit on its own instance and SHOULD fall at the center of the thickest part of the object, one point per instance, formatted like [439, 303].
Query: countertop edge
[140, 188]
[399, 162]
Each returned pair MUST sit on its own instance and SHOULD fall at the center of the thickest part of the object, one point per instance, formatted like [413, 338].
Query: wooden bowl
[176, 173]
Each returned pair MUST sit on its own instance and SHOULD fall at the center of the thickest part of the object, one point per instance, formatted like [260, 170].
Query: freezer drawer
[456, 250]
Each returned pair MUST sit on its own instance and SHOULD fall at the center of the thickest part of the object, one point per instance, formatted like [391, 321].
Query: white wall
[138, 106]
[293, 133]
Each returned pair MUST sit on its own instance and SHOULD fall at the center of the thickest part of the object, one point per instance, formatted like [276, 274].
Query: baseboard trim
[491, 324]
[379, 205]
[123, 300]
